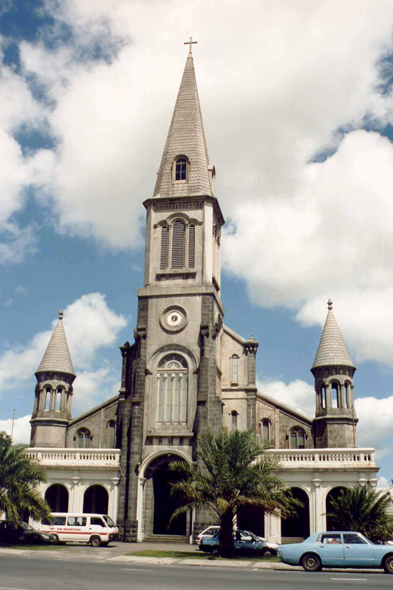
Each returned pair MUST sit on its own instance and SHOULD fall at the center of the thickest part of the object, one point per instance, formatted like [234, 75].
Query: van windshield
[108, 520]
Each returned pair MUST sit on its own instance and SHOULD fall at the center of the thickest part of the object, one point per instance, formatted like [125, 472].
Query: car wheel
[95, 541]
[388, 565]
[55, 540]
[311, 563]
[266, 553]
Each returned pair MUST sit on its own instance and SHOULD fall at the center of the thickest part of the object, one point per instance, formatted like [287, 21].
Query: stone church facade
[186, 371]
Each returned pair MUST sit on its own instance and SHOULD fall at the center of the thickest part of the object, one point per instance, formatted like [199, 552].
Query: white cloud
[94, 387]
[272, 99]
[298, 394]
[90, 325]
[20, 430]
[382, 482]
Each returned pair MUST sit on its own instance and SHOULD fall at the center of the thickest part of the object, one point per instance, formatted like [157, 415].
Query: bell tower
[171, 388]
[53, 392]
[333, 370]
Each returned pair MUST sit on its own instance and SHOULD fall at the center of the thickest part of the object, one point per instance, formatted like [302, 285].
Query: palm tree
[19, 476]
[362, 510]
[234, 472]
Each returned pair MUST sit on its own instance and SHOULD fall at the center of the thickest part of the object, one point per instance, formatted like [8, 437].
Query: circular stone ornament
[173, 318]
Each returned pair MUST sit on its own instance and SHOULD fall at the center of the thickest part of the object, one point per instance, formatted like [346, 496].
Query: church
[186, 371]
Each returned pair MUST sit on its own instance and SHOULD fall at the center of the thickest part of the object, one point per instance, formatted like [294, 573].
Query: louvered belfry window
[164, 247]
[178, 235]
[191, 246]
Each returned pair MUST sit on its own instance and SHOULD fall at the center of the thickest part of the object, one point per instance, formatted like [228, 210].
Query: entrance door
[165, 504]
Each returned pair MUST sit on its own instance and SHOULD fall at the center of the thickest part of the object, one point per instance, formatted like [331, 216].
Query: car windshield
[26, 526]
[108, 520]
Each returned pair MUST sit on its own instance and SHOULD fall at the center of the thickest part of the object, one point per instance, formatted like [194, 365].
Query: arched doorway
[57, 497]
[332, 495]
[95, 500]
[160, 504]
[251, 519]
[297, 527]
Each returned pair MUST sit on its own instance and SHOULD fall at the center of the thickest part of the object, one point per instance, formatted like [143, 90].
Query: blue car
[337, 549]
[244, 543]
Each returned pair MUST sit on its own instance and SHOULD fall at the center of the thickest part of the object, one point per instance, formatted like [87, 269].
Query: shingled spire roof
[186, 137]
[57, 358]
[332, 349]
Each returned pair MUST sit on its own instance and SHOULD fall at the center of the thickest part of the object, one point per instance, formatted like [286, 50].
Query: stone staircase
[166, 539]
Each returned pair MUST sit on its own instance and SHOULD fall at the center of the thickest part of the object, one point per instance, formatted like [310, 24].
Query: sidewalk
[119, 553]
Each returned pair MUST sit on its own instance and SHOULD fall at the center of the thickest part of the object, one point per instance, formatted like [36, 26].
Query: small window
[335, 395]
[331, 539]
[265, 432]
[83, 438]
[97, 521]
[181, 169]
[297, 438]
[111, 434]
[234, 416]
[76, 521]
[354, 539]
[59, 520]
[347, 395]
[235, 369]
[48, 394]
[323, 396]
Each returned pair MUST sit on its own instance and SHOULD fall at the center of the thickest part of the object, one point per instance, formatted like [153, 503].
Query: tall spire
[332, 350]
[186, 137]
[57, 356]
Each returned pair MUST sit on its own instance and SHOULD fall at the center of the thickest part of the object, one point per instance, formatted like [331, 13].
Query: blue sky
[298, 111]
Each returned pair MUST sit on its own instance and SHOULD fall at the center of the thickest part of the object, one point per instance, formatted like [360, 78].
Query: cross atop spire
[190, 43]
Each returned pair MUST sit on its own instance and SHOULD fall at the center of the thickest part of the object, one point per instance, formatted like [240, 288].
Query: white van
[96, 529]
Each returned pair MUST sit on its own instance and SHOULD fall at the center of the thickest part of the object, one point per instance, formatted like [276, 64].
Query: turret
[333, 370]
[53, 392]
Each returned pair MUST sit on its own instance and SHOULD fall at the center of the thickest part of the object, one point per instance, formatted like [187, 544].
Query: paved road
[43, 573]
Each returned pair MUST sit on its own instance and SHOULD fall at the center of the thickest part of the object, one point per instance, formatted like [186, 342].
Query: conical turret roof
[186, 137]
[57, 356]
[332, 349]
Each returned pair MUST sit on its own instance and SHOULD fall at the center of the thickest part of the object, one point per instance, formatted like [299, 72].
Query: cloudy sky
[298, 109]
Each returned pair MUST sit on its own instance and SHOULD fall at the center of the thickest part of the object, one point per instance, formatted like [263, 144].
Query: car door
[357, 551]
[331, 549]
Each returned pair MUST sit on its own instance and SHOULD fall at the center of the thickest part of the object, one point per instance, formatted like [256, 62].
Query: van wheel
[95, 541]
[388, 565]
[311, 563]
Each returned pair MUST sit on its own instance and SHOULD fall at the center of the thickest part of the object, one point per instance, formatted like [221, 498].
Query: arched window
[48, 395]
[265, 432]
[323, 396]
[172, 394]
[297, 438]
[347, 395]
[235, 369]
[181, 169]
[111, 434]
[234, 416]
[83, 438]
[178, 235]
[164, 247]
[335, 395]
[59, 393]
